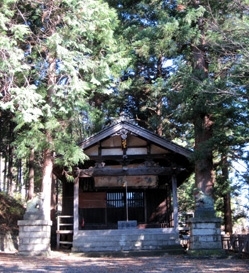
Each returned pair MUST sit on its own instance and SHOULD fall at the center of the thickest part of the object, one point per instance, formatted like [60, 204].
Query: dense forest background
[179, 68]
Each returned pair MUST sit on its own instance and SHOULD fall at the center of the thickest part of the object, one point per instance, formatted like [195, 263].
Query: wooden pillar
[145, 207]
[175, 202]
[76, 206]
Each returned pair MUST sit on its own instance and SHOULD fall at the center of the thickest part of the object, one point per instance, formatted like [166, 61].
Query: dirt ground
[70, 263]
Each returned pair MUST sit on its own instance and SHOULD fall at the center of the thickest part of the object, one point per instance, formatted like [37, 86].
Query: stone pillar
[34, 230]
[205, 232]
[34, 237]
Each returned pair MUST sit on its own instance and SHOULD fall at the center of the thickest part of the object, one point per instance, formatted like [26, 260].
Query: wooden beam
[108, 171]
[129, 157]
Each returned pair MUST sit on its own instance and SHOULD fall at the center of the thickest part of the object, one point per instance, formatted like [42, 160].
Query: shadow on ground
[67, 262]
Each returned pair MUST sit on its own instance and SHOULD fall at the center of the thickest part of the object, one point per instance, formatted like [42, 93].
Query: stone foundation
[205, 233]
[117, 240]
[34, 237]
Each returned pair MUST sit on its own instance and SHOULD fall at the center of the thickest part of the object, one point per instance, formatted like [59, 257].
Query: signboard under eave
[143, 181]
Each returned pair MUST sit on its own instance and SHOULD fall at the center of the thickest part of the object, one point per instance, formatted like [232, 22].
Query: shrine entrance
[115, 206]
[103, 209]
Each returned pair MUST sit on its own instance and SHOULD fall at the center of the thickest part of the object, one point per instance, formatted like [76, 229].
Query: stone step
[64, 231]
[140, 253]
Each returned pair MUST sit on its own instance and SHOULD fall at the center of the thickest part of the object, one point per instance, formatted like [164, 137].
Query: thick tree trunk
[47, 154]
[31, 174]
[47, 182]
[204, 171]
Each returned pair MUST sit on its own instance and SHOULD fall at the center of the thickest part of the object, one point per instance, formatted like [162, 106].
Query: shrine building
[124, 197]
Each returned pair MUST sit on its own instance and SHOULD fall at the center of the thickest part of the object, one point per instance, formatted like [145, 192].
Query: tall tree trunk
[5, 186]
[228, 214]
[47, 181]
[10, 173]
[10, 180]
[1, 172]
[227, 198]
[204, 170]
[159, 100]
[18, 187]
[31, 174]
[48, 153]
[159, 115]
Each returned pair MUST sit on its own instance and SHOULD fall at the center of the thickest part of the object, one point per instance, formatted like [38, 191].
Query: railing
[236, 242]
[64, 232]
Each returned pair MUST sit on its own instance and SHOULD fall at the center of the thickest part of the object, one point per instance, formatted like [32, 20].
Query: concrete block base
[205, 234]
[34, 237]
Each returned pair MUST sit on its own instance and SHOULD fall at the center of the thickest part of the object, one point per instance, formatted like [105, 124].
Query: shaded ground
[66, 262]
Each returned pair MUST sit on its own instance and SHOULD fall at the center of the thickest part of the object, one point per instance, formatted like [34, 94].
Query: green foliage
[186, 193]
[58, 55]
[160, 30]
[179, 62]
[206, 43]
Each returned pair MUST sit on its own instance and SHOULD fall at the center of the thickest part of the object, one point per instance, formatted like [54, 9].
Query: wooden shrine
[129, 183]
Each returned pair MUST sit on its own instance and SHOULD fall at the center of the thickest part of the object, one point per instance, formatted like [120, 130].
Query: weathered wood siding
[89, 200]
